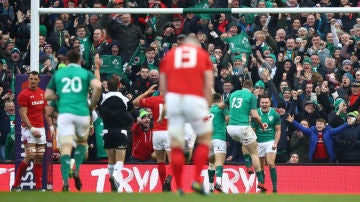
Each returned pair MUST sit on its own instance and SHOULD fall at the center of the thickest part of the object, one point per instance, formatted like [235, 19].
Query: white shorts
[190, 135]
[161, 140]
[265, 147]
[244, 134]
[72, 125]
[217, 146]
[187, 108]
[27, 137]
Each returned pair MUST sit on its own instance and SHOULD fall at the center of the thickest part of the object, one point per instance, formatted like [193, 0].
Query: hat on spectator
[354, 114]
[260, 84]
[114, 43]
[9, 41]
[273, 56]
[265, 47]
[176, 19]
[337, 103]
[350, 76]
[231, 24]
[43, 30]
[347, 62]
[181, 36]
[43, 58]
[310, 102]
[62, 51]
[286, 89]
[237, 57]
[169, 24]
[355, 84]
[307, 60]
[338, 47]
[143, 113]
[47, 46]
[15, 50]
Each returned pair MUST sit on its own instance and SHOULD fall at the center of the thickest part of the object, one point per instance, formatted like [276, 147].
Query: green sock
[79, 155]
[247, 159]
[211, 174]
[273, 176]
[260, 177]
[219, 171]
[65, 168]
[263, 174]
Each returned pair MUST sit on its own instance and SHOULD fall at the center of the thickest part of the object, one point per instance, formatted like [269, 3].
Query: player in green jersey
[242, 105]
[219, 118]
[268, 139]
[69, 87]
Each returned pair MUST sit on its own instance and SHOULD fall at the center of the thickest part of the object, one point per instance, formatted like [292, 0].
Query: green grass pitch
[169, 197]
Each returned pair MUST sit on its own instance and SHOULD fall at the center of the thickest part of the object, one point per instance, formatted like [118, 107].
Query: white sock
[218, 180]
[111, 169]
[117, 168]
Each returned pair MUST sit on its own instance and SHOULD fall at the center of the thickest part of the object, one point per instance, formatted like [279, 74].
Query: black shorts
[115, 139]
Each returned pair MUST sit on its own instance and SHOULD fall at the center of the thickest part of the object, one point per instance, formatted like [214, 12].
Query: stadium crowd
[308, 63]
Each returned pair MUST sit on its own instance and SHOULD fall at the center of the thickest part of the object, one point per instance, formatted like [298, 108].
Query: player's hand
[97, 61]
[152, 89]
[35, 132]
[52, 131]
[262, 127]
[290, 118]
[274, 147]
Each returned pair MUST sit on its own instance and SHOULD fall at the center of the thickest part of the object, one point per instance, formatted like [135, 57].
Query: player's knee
[66, 139]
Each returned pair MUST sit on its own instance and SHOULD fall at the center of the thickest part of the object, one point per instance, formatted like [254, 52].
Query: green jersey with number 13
[240, 103]
[72, 86]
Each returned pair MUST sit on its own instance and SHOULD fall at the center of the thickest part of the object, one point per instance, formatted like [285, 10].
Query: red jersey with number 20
[35, 102]
[184, 68]
[156, 104]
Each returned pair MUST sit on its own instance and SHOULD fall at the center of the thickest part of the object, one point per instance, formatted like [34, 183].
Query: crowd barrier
[314, 179]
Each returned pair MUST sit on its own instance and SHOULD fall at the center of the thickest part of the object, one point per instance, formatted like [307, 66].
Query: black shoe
[218, 188]
[114, 184]
[16, 189]
[167, 184]
[77, 180]
[65, 188]
[198, 188]
[180, 192]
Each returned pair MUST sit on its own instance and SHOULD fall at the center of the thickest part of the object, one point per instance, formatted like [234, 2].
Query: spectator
[142, 149]
[9, 109]
[294, 158]
[142, 82]
[300, 144]
[321, 147]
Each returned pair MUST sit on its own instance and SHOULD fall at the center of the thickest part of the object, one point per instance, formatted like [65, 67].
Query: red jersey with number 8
[184, 68]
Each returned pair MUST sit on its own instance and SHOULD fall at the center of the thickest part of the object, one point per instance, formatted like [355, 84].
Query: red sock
[162, 172]
[19, 173]
[200, 159]
[38, 175]
[177, 164]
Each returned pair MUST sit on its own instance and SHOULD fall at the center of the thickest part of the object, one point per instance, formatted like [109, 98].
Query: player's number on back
[71, 85]
[236, 102]
[185, 57]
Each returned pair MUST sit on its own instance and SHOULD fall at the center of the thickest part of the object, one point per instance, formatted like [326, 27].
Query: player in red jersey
[33, 107]
[186, 81]
[161, 140]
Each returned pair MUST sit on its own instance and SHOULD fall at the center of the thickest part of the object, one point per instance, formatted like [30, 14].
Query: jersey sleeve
[22, 100]
[91, 76]
[146, 102]
[277, 119]
[253, 103]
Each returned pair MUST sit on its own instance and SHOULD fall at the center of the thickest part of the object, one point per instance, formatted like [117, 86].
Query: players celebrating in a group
[242, 105]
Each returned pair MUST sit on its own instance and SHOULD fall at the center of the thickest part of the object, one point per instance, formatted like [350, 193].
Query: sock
[117, 169]
[247, 159]
[19, 173]
[38, 175]
[263, 174]
[79, 156]
[211, 174]
[177, 164]
[273, 176]
[200, 159]
[219, 173]
[65, 168]
[162, 172]
[260, 177]
[111, 169]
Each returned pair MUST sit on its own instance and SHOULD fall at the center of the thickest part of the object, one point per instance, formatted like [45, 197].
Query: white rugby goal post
[36, 11]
